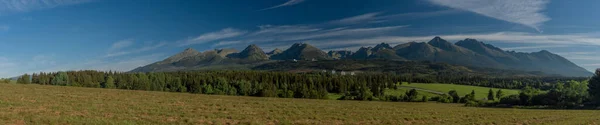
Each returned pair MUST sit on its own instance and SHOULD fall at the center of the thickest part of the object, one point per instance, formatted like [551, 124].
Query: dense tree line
[543, 83]
[364, 86]
[569, 94]
[244, 83]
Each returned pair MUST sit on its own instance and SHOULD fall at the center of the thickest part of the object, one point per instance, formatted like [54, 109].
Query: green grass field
[480, 92]
[38, 104]
[402, 91]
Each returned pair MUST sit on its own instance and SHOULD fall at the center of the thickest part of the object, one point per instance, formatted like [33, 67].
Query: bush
[393, 98]
[424, 99]
[443, 99]
[473, 103]
[357, 96]
[510, 100]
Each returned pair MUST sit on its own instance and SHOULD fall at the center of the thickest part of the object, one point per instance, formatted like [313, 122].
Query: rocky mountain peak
[382, 46]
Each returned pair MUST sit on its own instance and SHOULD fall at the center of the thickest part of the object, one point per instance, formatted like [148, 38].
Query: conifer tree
[594, 87]
[491, 95]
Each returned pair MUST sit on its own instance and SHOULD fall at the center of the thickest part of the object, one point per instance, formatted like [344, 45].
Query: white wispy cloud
[213, 36]
[43, 60]
[534, 47]
[288, 3]
[596, 64]
[121, 44]
[5, 63]
[378, 17]
[11, 6]
[122, 64]
[126, 47]
[357, 19]
[103, 64]
[525, 12]
[285, 29]
[497, 37]
[577, 53]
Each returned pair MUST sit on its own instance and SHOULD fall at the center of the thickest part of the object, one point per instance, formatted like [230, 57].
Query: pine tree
[472, 95]
[24, 79]
[61, 79]
[499, 94]
[110, 83]
[491, 95]
[594, 87]
[454, 95]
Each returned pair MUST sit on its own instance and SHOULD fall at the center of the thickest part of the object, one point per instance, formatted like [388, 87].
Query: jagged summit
[382, 46]
[252, 53]
[340, 54]
[443, 44]
[403, 45]
[190, 50]
[362, 53]
[302, 51]
[275, 52]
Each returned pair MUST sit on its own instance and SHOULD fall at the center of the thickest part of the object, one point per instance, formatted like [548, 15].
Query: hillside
[423, 68]
[469, 53]
[41, 104]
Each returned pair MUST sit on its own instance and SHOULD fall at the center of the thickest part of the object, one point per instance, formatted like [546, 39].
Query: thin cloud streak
[124, 48]
[121, 44]
[525, 12]
[357, 19]
[12, 6]
[535, 47]
[213, 36]
[288, 3]
[331, 37]
[597, 64]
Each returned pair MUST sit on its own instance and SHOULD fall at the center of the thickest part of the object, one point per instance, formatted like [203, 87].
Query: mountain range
[467, 52]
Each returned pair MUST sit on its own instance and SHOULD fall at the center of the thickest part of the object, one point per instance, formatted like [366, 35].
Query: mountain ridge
[467, 52]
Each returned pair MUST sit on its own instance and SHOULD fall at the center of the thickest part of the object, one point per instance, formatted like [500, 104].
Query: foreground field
[37, 104]
[480, 92]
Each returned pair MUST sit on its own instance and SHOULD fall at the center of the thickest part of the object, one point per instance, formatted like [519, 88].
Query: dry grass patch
[37, 104]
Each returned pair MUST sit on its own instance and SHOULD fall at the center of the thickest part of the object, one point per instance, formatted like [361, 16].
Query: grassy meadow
[402, 91]
[480, 92]
[38, 104]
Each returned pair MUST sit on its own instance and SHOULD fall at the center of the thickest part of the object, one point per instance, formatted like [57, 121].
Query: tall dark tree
[454, 95]
[499, 94]
[594, 87]
[24, 79]
[491, 95]
[110, 82]
[61, 79]
[412, 95]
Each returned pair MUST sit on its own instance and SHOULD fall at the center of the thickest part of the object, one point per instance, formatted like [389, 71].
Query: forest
[551, 92]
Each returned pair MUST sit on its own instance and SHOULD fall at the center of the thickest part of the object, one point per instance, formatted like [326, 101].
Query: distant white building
[314, 60]
[343, 73]
[295, 60]
[332, 71]
[352, 73]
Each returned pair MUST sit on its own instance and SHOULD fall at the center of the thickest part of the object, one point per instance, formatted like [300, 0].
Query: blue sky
[55, 35]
